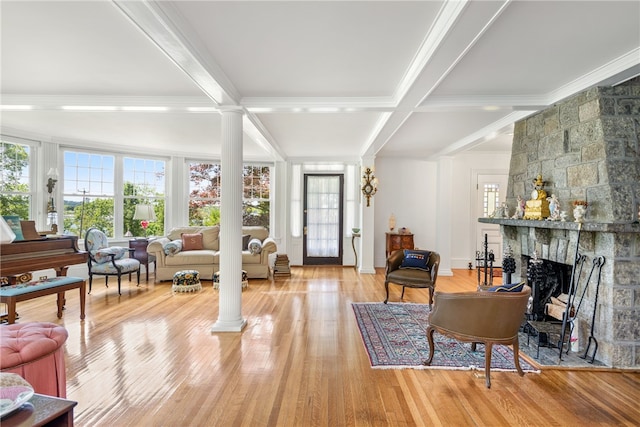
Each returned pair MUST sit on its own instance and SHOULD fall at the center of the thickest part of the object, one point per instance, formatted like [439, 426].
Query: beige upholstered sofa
[207, 260]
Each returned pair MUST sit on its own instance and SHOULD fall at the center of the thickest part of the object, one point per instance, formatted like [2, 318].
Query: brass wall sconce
[369, 184]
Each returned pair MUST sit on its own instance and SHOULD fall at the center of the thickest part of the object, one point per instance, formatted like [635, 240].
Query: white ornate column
[230, 294]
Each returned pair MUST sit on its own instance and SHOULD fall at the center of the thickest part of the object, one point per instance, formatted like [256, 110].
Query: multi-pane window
[144, 184]
[91, 198]
[491, 198]
[88, 191]
[15, 191]
[204, 194]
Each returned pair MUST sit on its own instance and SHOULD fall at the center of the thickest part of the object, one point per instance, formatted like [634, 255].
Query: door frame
[476, 242]
[323, 260]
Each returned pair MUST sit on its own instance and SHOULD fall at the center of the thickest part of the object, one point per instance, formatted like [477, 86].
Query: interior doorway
[491, 192]
[322, 219]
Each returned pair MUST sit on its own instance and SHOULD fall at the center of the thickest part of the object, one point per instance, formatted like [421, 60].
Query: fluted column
[230, 295]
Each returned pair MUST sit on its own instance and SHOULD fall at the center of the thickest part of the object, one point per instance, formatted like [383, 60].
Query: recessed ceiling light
[324, 110]
[16, 107]
[202, 109]
[491, 108]
[145, 109]
[88, 108]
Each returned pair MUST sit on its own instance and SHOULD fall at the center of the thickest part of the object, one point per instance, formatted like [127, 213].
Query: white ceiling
[317, 79]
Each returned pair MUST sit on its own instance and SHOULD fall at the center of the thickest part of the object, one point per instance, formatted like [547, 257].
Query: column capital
[231, 109]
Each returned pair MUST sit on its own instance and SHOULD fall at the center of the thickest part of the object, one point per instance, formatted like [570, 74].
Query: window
[88, 191]
[144, 183]
[91, 199]
[205, 187]
[491, 199]
[15, 191]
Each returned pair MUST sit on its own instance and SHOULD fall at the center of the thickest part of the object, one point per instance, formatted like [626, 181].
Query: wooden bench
[11, 295]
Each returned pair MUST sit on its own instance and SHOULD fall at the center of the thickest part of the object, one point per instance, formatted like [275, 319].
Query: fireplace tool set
[563, 307]
[570, 314]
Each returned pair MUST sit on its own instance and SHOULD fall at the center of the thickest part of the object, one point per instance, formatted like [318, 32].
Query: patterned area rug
[394, 335]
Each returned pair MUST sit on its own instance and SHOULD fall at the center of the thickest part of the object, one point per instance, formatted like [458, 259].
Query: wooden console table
[42, 410]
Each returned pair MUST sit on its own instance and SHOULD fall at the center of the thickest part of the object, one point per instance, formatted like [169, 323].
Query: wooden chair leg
[119, 282]
[386, 287]
[487, 363]
[90, 281]
[430, 331]
[402, 296]
[516, 357]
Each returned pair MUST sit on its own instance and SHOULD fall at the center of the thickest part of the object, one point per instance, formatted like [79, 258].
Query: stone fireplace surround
[586, 147]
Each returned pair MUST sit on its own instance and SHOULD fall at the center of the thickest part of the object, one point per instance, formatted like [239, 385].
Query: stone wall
[588, 147]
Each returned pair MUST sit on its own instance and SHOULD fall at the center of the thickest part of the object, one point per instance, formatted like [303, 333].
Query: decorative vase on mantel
[579, 210]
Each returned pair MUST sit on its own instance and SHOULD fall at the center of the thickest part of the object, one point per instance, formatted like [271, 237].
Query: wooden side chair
[412, 269]
[108, 261]
[480, 317]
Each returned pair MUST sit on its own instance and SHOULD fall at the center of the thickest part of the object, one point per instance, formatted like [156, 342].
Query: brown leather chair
[411, 278]
[480, 317]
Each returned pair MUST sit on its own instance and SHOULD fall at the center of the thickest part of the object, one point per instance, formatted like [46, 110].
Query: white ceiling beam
[166, 28]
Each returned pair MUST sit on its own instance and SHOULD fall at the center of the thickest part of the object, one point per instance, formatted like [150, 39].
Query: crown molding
[614, 72]
[317, 104]
[57, 102]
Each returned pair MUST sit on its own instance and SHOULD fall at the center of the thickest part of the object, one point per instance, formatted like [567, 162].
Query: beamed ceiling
[317, 80]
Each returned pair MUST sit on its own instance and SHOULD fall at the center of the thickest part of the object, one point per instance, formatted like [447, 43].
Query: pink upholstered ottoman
[34, 351]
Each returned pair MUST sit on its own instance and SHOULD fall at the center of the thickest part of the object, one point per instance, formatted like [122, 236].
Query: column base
[222, 326]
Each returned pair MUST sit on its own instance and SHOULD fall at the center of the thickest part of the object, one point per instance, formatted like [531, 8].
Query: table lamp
[144, 213]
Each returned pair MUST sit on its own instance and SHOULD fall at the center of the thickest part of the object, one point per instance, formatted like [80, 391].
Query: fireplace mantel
[631, 227]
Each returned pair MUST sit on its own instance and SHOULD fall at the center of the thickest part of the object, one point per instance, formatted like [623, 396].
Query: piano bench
[13, 294]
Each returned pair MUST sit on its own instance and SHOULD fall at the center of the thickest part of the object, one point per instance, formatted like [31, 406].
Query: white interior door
[491, 193]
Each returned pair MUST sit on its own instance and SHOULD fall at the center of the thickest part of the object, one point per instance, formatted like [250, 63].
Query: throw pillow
[255, 246]
[513, 287]
[246, 238]
[414, 259]
[104, 255]
[192, 242]
[173, 247]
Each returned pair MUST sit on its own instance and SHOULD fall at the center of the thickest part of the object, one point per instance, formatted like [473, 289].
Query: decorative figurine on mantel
[554, 208]
[519, 213]
[538, 206]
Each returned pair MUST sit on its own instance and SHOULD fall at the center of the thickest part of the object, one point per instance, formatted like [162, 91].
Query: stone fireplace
[586, 147]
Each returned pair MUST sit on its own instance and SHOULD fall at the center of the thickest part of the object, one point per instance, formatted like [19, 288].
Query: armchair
[400, 272]
[108, 261]
[486, 317]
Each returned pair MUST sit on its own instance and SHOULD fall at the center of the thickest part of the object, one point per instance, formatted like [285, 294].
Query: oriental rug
[394, 336]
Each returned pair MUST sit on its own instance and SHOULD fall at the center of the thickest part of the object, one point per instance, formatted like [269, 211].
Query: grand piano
[57, 252]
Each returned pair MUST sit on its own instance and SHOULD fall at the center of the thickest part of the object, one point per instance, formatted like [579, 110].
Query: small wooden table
[11, 295]
[139, 246]
[42, 410]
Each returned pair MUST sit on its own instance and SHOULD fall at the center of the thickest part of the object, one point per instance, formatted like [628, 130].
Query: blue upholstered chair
[108, 261]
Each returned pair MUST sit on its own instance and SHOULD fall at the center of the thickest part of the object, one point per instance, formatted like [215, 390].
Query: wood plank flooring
[148, 358]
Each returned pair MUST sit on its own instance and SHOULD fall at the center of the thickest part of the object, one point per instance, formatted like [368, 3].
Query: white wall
[465, 217]
[408, 189]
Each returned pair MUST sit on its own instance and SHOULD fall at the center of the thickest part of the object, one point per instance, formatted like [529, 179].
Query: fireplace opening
[547, 279]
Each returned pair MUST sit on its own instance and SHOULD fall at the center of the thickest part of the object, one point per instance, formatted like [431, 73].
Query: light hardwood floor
[148, 358]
